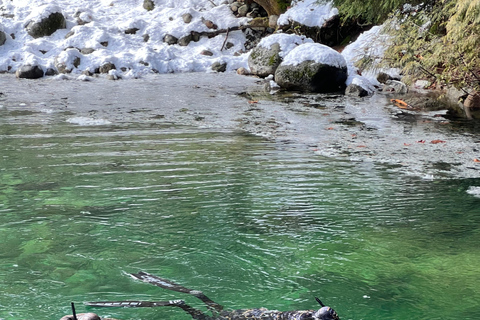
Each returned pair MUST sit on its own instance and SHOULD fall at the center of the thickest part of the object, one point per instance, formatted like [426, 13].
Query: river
[256, 201]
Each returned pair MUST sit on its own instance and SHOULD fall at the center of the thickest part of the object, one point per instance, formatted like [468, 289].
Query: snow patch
[311, 13]
[474, 191]
[315, 52]
[287, 42]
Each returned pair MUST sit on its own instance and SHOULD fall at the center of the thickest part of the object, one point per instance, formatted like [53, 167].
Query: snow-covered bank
[101, 25]
[100, 32]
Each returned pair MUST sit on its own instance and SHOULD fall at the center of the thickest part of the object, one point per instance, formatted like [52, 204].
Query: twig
[73, 311]
[225, 41]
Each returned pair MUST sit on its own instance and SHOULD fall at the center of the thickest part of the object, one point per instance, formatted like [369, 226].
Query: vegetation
[437, 39]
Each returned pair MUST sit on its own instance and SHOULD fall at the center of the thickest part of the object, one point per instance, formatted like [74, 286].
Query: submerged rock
[312, 67]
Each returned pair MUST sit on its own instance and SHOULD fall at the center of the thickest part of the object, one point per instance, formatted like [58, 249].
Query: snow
[315, 52]
[287, 42]
[105, 21]
[311, 13]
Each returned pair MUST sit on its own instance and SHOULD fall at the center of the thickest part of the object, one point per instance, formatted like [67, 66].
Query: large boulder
[268, 54]
[312, 67]
[48, 20]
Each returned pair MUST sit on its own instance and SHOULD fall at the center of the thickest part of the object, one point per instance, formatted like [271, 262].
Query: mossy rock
[148, 5]
[46, 26]
[264, 61]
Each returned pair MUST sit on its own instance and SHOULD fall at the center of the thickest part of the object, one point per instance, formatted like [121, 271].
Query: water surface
[250, 221]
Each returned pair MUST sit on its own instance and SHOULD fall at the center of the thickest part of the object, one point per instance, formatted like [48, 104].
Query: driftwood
[218, 312]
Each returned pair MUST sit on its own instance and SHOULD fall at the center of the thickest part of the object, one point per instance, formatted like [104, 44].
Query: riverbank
[370, 131]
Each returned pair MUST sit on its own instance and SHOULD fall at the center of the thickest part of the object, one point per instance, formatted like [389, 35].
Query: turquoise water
[250, 222]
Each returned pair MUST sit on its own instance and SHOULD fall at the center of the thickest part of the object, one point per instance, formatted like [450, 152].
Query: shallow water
[251, 222]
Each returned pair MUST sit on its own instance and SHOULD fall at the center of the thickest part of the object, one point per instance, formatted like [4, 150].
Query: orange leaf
[253, 101]
[406, 144]
[437, 141]
[330, 128]
[476, 160]
[421, 141]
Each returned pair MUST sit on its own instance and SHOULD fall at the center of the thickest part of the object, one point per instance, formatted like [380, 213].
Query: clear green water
[249, 222]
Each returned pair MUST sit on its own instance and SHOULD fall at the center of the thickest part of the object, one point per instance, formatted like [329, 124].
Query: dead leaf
[437, 141]
[253, 101]
[421, 141]
[476, 160]
[407, 144]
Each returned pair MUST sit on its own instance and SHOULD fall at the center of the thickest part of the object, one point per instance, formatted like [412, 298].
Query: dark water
[250, 222]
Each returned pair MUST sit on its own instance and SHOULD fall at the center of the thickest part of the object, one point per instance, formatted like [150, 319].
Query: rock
[48, 25]
[383, 77]
[234, 6]
[243, 10]
[187, 17]
[82, 316]
[69, 34]
[206, 53]
[131, 31]
[184, 41]
[422, 84]
[219, 66]
[354, 90]
[104, 43]
[29, 72]
[51, 72]
[267, 55]
[472, 101]
[312, 67]
[146, 37]
[209, 24]
[229, 45]
[264, 61]
[272, 21]
[3, 38]
[170, 40]
[242, 71]
[195, 36]
[87, 50]
[395, 86]
[148, 5]
[105, 68]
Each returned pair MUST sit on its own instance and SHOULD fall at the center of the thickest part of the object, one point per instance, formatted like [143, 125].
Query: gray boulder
[264, 61]
[46, 26]
[395, 86]
[312, 67]
[29, 72]
[267, 55]
[3, 38]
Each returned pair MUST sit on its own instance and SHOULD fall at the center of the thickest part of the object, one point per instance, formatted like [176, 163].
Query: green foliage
[438, 41]
[371, 11]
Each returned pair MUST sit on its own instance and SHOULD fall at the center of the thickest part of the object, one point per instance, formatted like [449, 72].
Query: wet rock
[322, 70]
[105, 68]
[354, 90]
[82, 316]
[146, 37]
[187, 17]
[264, 61]
[395, 86]
[219, 66]
[48, 25]
[3, 38]
[104, 43]
[170, 40]
[29, 72]
[195, 36]
[148, 5]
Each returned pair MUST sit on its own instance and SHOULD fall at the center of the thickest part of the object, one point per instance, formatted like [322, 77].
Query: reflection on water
[248, 222]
